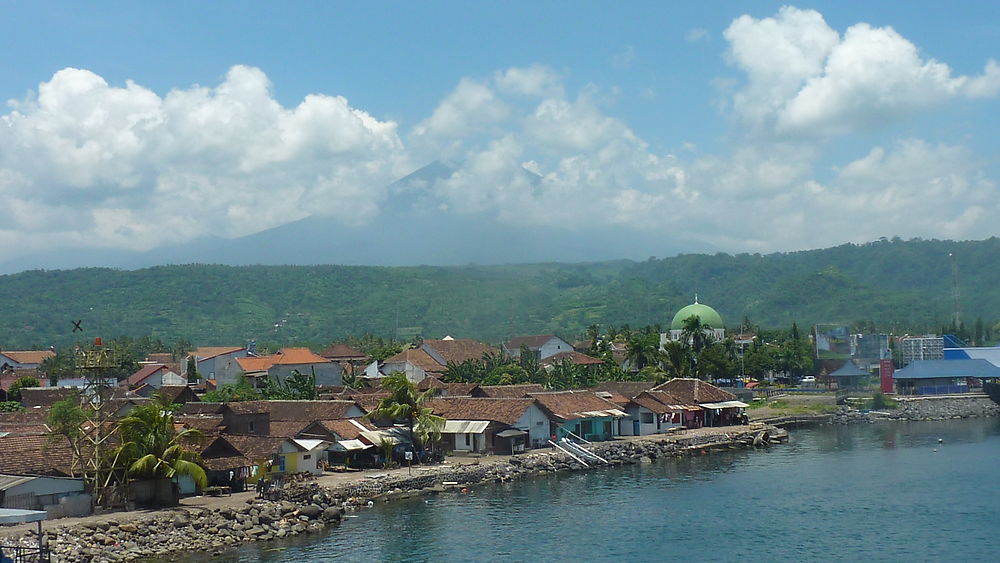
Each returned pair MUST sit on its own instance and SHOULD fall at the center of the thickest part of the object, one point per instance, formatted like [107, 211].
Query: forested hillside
[897, 285]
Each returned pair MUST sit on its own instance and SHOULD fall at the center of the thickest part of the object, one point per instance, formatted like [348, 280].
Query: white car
[808, 381]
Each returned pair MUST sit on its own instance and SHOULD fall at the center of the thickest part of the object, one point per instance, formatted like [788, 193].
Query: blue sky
[742, 126]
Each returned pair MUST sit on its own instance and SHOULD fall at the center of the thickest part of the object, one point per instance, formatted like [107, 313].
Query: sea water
[919, 491]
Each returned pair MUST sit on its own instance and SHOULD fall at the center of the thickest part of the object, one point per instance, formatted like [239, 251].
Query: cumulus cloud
[122, 166]
[803, 77]
[83, 162]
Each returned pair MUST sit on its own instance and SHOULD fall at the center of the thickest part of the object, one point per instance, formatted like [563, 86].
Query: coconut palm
[676, 359]
[152, 448]
[406, 403]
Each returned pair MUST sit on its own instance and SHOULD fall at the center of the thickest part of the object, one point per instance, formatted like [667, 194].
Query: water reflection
[876, 491]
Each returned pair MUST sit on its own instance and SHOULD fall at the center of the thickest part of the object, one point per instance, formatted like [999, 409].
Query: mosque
[709, 317]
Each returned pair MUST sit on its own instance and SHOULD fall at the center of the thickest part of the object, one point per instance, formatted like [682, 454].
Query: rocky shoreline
[305, 508]
[908, 409]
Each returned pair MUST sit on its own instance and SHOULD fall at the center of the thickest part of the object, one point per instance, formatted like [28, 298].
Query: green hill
[898, 285]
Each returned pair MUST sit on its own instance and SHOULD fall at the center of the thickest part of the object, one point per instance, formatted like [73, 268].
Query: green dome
[708, 316]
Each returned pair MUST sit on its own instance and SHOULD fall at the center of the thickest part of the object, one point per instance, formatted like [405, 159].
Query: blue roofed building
[938, 377]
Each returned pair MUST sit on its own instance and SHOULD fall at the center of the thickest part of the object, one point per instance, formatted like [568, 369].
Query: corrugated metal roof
[724, 405]
[930, 369]
[11, 481]
[354, 445]
[465, 426]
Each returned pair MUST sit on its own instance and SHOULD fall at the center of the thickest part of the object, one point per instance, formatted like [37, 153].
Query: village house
[443, 389]
[155, 376]
[416, 363]
[256, 417]
[719, 407]
[455, 350]
[44, 397]
[218, 363]
[278, 367]
[653, 412]
[491, 425]
[541, 345]
[580, 414]
[23, 359]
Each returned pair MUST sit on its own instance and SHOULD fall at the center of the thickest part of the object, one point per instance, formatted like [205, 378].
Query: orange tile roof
[287, 356]
[28, 356]
[36, 455]
[341, 351]
[252, 364]
[576, 358]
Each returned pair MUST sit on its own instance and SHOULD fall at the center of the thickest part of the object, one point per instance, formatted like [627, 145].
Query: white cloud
[125, 167]
[697, 34]
[804, 78]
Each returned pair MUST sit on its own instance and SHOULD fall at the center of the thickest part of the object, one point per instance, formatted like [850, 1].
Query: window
[586, 427]
[251, 426]
[468, 439]
[307, 456]
[647, 418]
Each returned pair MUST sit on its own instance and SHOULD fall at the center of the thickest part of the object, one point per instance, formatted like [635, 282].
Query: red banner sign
[885, 370]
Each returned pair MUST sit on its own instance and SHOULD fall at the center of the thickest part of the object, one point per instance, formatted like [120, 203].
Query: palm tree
[152, 448]
[406, 403]
[696, 333]
[676, 358]
[643, 348]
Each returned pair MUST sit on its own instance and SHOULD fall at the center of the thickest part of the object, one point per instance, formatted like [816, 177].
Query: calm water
[867, 492]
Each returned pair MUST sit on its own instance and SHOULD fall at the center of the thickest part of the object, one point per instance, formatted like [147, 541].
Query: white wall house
[219, 363]
[543, 345]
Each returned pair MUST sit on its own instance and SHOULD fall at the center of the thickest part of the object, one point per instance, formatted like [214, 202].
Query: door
[635, 427]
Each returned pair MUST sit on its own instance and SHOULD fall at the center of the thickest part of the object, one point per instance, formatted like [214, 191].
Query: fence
[26, 554]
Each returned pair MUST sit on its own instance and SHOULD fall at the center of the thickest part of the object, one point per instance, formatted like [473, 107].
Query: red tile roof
[144, 372]
[570, 405]
[508, 391]
[306, 411]
[660, 402]
[576, 358]
[695, 391]
[35, 455]
[532, 342]
[628, 389]
[506, 411]
[458, 350]
[339, 351]
[416, 357]
[44, 396]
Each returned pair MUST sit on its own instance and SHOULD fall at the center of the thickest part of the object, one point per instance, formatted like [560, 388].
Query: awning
[18, 516]
[310, 444]
[465, 426]
[724, 405]
[511, 432]
[353, 445]
[595, 414]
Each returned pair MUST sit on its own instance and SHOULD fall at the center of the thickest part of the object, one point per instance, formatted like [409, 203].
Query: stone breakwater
[622, 452]
[168, 533]
[923, 408]
[308, 508]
